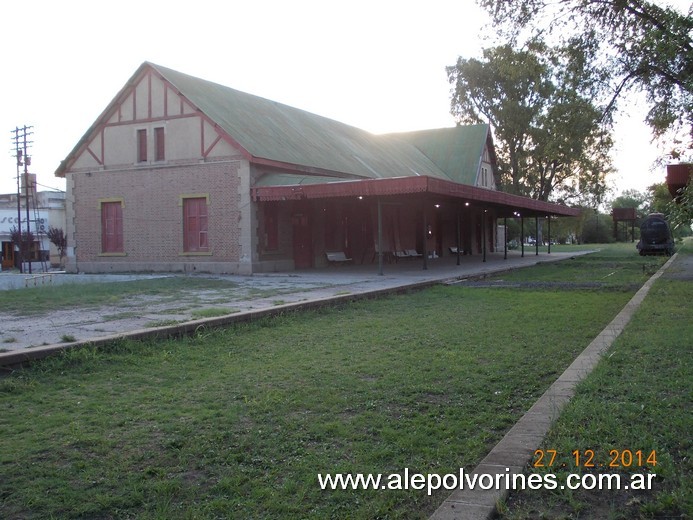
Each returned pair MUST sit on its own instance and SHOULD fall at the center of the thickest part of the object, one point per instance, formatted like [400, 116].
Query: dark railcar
[655, 236]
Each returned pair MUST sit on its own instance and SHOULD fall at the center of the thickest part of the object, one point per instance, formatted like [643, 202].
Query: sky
[375, 64]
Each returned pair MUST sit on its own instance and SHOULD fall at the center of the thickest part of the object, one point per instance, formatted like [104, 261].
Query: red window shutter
[141, 146]
[195, 236]
[112, 227]
[160, 144]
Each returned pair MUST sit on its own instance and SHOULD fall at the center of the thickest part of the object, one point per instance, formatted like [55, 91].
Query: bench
[407, 253]
[337, 257]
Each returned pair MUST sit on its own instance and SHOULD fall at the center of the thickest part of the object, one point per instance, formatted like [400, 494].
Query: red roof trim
[406, 186]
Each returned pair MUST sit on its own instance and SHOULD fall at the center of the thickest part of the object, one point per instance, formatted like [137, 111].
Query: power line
[21, 149]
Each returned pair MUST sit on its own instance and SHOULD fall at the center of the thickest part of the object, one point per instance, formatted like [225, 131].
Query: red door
[303, 246]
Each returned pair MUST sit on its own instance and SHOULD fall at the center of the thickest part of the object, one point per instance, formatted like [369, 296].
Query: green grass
[212, 312]
[612, 265]
[37, 300]
[238, 422]
[161, 323]
[637, 398]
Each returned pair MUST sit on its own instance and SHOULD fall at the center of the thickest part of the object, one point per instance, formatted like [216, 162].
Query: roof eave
[410, 185]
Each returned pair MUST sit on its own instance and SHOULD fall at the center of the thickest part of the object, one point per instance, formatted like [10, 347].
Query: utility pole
[21, 146]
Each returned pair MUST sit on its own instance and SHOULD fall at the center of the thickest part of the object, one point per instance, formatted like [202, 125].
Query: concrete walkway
[512, 454]
[26, 338]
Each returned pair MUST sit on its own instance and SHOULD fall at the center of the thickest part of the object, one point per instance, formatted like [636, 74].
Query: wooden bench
[337, 257]
[407, 253]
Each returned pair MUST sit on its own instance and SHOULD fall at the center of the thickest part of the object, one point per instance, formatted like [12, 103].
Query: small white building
[46, 209]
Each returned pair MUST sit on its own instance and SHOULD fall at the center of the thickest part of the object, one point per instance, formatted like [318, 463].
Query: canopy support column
[458, 236]
[483, 234]
[548, 225]
[505, 238]
[536, 235]
[380, 238]
[425, 233]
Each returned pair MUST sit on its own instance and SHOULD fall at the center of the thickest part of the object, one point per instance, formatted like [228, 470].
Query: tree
[23, 241]
[637, 45]
[596, 228]
[681, 209]
[59, 240]
[633, 199]
[659, 199]
[551, 138]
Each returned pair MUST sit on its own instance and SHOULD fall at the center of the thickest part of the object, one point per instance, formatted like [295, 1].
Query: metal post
[632, 231]
[522, 234]
[536, 235]
[505, 238]
[380, 238]
[458, 236]
[425, 237]
[548, 218]
[483, 234]
[26, 196]
[19, 200]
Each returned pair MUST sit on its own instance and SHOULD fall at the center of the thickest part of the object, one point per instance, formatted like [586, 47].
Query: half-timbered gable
[150, 123]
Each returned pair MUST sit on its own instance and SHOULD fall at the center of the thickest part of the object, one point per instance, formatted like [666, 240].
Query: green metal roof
[332, 151]
[457, 151]
[289, 179]
[277, 132]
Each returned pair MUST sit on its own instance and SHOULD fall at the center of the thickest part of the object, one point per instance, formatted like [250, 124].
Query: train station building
[179, 174]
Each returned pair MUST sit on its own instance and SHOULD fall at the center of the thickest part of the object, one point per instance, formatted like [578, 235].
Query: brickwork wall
[152, 212]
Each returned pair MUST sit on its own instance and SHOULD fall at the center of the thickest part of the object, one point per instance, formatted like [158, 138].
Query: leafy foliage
[552, 139]
[632, 199]
[58, 239]
[23, 240]
[636, 44]
[681, 209]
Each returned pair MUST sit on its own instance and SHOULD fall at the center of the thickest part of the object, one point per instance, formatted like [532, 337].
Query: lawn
[41, 300]
[638, 399]
[238, 422]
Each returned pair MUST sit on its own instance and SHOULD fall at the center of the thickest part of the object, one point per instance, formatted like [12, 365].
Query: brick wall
[152, 216]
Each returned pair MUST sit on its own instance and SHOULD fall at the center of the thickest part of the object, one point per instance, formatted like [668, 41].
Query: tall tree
[633, 199]
[551, 139]
[508, 90]
[638, 45]
[681, 209]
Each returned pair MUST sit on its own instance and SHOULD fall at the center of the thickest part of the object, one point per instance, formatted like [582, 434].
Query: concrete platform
[27, 338]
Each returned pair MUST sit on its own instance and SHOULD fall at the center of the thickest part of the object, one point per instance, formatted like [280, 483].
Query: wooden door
[303, 242]
[7, 255]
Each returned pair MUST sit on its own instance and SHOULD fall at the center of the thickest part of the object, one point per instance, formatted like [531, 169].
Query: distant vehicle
[655, 236]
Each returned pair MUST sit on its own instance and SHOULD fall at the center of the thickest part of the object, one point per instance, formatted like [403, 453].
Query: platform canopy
[505, 204]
